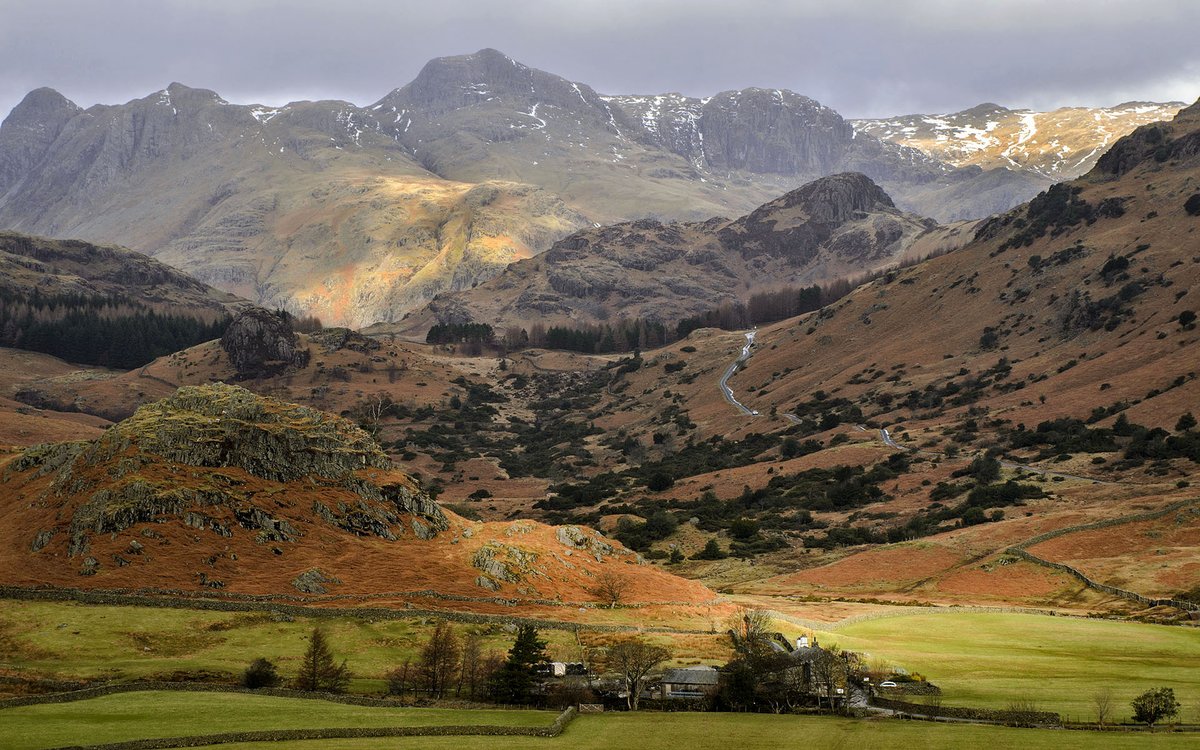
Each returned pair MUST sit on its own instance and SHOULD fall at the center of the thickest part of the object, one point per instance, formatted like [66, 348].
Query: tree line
[105, 330]
[634, 334]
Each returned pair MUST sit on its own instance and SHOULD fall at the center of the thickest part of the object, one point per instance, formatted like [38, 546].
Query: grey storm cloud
[865, 58]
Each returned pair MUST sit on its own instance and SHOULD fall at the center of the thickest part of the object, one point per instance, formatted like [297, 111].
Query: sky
[864, 58]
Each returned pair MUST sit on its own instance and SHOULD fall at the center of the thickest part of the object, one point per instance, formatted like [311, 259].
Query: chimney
[802, 642]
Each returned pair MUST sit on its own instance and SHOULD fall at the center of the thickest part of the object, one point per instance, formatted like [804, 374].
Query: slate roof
[692, 676]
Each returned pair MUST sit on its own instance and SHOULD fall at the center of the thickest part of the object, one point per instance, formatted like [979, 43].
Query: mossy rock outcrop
[218, 458]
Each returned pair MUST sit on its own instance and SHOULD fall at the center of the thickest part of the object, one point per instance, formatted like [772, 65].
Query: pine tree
[318, 671]
[513, 682]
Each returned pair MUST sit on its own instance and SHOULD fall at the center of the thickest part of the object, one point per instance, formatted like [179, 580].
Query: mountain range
[359, 214]
[1057, 145]
[1055, 339]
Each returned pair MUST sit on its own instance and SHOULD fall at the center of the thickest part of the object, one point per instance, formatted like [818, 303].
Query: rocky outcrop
[211, 457]
[798, 224]
[314, 581]
[261, 343]
[335, 339]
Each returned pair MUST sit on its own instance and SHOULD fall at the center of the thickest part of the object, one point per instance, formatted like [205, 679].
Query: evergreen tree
[318, 670]
[513, 682]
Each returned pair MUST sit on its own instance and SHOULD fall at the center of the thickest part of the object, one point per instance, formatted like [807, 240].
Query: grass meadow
[991, 659]
[151, 714]
[979, 659]
[133, 715]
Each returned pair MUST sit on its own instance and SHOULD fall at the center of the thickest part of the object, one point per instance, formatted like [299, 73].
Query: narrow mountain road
[884, 435]
[726, 391]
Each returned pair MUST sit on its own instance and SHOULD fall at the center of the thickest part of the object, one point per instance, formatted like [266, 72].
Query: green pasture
[978, 658]
[156, 714]
[991, 659]
[145, 715]
[80, 640]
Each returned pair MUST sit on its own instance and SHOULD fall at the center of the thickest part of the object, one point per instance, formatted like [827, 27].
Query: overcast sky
[862, 57]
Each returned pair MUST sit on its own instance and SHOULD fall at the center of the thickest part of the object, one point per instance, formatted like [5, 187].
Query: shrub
[659, 481]
[260, 674]
[711, 551]
[1192, 205]
[989, 339]
[1187, 317]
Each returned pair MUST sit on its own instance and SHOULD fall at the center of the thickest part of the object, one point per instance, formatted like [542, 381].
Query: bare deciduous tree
[440, 659]
[400, 680]
[373, 410]
[830, 672]
[750, 632]
[471, 664]
[634, 658]
[610, 587]
[1102, 701]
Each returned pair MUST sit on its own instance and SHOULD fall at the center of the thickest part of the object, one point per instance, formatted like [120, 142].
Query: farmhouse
[692, 682]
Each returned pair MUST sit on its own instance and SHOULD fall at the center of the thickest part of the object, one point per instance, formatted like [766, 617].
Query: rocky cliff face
[833, 227]
[224, 461]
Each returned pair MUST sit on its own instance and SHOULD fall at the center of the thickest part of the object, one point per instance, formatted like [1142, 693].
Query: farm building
[691, 682]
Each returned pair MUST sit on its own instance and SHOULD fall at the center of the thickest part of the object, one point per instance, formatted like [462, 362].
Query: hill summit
[223, 460]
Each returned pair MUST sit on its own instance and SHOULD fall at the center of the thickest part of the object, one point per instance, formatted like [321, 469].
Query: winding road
[884, 435]
[729, 371]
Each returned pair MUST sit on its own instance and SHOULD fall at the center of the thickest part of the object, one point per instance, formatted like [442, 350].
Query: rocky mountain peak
[488, 76]
[42, 104]
[834, 199]
[29, 130]
[985, 109]
[806, 137]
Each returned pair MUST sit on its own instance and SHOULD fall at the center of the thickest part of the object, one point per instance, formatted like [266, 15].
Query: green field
[989, 659]
[978, 658]
[141, 715]
[133, 715]
[79, 640]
